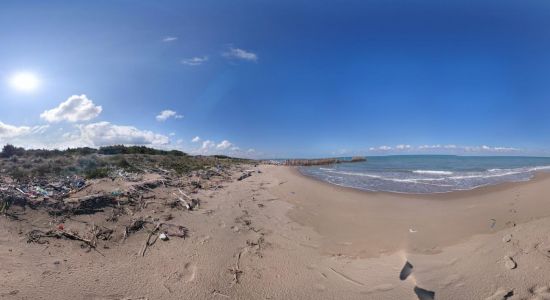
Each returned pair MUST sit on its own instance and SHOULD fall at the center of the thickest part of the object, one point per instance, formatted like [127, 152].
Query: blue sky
[279, 78]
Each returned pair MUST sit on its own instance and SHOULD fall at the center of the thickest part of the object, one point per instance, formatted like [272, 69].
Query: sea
[423, 174]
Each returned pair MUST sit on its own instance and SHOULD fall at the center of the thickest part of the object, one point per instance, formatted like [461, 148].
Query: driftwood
[35, 236]
[135, 226]
[244, 176]
[148, 241]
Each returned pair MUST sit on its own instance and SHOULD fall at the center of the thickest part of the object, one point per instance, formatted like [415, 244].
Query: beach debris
[246, 174]
[35, 236]
[189, 204]
[135, 226]
[411, 230]
[492, 222]
[148, 242]
[509, 263]
[168, 230]
[507, 238]
[406, 271]
[424, 294]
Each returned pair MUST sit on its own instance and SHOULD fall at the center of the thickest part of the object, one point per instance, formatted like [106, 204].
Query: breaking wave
[396, 176]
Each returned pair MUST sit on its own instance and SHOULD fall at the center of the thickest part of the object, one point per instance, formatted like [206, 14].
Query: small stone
[507, 238]
[509, 263]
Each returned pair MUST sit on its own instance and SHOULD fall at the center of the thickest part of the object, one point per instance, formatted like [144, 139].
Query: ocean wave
[423, 181]
[404, 180]
[540, 168]
[432, 172]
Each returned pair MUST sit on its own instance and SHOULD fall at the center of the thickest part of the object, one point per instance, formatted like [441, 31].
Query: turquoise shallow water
[429, 173]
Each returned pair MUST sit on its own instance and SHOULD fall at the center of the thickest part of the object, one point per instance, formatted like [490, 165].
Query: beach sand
[286, 236]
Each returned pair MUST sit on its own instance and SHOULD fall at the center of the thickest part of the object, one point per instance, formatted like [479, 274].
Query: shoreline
[367, 224]
[485, 189]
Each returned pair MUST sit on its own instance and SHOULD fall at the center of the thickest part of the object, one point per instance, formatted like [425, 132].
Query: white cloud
[206, 145]
[251, 150]
[225, 144]
[105, 133]
[167, 114]
[10, 131]
[196, 139]
[168, 39]
[237, 53]
[172, 134]
[75, 109]
[194, 61]
[381, 148]
[403, 147]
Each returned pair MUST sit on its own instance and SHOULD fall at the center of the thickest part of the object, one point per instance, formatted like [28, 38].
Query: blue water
[429, 173]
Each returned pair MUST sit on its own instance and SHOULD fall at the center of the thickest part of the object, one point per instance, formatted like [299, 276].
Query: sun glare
[24, 81]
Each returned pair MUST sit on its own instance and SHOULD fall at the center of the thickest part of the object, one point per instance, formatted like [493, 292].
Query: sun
[24, 81]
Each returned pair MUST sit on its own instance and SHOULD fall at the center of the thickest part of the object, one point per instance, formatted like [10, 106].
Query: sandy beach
[281, 235]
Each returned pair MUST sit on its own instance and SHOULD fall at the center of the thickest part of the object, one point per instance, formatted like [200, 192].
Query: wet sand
[367, 224]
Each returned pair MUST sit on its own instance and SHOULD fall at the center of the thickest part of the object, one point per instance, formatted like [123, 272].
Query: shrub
[97, 173]
[10, 150]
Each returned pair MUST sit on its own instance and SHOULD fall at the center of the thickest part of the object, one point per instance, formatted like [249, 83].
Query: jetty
[322, 161]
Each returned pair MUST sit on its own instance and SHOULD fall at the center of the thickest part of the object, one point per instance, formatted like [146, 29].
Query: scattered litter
[412, 230]
[163, 237]
[507, 238]
[493, 223]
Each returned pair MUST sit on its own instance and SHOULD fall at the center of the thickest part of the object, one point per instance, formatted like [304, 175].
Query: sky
[278, 78]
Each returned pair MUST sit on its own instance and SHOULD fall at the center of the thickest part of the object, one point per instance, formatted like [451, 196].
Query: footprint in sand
[181, 277]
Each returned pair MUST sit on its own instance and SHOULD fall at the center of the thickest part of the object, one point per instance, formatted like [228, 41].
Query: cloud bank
[450, 149]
